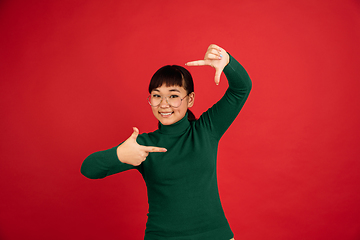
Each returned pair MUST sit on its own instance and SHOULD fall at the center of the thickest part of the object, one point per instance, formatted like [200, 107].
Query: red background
[74, 78]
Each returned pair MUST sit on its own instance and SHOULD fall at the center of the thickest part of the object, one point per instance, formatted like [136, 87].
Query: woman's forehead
[164, 88]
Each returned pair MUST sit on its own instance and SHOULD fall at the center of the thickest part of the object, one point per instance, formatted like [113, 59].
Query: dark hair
[173, 75]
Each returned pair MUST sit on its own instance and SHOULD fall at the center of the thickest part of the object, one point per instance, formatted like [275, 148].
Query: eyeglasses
[173, 100]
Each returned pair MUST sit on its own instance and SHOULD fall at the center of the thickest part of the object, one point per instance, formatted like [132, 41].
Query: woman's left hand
[215, 57]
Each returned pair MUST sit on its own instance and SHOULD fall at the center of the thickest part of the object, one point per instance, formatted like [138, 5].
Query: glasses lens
[154, 100]
[173, 100]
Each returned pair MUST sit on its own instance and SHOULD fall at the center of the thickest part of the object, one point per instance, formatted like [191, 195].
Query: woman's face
[164, 112]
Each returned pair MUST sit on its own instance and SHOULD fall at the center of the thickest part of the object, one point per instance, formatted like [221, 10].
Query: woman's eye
[156, 96]
[174, 96]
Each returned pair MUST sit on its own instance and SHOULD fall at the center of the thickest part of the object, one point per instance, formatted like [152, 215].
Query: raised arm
[219, 117]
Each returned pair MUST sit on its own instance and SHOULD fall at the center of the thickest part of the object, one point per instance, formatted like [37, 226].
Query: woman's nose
[164, 103]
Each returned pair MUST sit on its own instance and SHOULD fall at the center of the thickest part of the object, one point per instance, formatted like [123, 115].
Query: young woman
[178, 160]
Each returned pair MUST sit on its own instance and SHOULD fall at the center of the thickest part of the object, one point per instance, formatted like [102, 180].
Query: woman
[178, 161]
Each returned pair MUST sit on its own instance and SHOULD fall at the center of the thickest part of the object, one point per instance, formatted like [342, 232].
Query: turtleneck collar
[176, 128]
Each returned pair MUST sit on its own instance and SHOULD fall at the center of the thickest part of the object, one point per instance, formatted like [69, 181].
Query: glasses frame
[162, 97]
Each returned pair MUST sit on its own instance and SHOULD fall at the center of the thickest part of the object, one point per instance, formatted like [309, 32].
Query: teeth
[166, 114]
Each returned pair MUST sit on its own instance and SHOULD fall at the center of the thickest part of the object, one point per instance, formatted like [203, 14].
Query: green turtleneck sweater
[183, 197]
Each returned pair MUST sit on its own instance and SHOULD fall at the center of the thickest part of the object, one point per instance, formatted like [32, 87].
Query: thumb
[135, 134]
[217, 76]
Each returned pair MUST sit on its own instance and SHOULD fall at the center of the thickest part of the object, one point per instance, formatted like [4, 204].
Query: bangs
[169, 75]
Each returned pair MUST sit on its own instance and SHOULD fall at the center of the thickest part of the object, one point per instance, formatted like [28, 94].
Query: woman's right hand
[132, 153]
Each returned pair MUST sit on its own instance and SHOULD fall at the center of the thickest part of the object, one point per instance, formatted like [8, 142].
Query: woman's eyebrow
[174, 90]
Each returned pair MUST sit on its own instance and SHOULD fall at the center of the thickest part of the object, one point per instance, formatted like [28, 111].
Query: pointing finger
[154, 149]
[196, 63]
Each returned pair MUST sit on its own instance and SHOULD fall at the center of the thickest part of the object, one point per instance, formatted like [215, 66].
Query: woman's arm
[127, 155]
[220, 116]
[103, 163]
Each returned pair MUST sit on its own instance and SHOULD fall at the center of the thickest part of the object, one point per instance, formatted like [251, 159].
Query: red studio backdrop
[74, 77]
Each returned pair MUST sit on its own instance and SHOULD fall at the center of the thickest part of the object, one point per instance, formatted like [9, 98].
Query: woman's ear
[191, 99]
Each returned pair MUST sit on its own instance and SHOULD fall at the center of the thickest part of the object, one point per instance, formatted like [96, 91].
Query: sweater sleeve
[103, 163]
[219, 117]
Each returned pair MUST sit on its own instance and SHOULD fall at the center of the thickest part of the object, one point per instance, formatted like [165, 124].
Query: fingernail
[221, 55]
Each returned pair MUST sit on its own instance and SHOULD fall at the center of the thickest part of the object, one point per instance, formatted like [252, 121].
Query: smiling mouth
[167, 114]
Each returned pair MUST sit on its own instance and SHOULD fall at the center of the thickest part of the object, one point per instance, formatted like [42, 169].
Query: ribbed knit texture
[184, 202]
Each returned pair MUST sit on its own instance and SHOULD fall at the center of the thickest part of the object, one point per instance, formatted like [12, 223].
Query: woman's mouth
[166, 114]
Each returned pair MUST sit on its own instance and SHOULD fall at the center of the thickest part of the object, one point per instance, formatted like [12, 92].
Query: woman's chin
[168, 119]
[166, 122]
